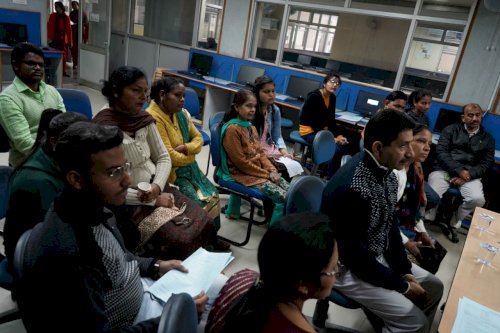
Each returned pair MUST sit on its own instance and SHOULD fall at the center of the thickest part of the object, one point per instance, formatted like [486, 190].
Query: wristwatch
[156, 269]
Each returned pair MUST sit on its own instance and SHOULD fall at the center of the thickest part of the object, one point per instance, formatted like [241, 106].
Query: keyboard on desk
[197, 75]
[238, 86]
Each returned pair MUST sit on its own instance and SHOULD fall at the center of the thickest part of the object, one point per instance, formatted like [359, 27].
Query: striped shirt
[123, 301]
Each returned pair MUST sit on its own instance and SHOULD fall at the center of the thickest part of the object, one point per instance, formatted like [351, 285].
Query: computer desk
[218, 97]
[473, 280]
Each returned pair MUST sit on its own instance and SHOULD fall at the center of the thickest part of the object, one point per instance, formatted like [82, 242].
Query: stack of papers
[292, 166]
[204, 267]
[474, 317]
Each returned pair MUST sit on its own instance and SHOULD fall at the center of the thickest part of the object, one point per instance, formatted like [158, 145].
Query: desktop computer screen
[200, 63]
[368, 103]
[13, 33]
[247, 74]
[447, 117]
[304, 59]
[298, 87]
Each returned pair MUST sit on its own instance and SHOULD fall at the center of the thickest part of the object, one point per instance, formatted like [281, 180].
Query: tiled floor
[245, 257]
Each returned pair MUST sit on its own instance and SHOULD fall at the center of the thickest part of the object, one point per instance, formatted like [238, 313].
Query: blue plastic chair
[76, 101]
[192, 104]
[231, 187]
[304, 194]
[298, 140]
[179, 315]
[323, 149]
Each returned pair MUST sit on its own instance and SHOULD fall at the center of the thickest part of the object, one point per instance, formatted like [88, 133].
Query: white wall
[478, 74]
[234, 27]
[364, 40]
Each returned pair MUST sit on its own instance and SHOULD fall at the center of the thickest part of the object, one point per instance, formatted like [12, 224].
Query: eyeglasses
[335, 83]
[336, 271]
[34, 64]
[117, 172]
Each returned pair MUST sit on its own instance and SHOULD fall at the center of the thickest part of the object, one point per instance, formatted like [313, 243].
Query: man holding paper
[77, 274]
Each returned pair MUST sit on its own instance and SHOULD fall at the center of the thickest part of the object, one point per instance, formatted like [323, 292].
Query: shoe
[221, 246]
[66, 75]
[232, 216]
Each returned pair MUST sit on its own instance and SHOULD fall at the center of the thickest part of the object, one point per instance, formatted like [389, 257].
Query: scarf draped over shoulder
[126, 122]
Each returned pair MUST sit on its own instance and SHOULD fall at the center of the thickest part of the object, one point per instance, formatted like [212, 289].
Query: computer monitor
[445, 118]
[304, 59]
[13, 33]
[369, 102]
[247, 74]
[200, 63]
[298, 87]
[318, 62]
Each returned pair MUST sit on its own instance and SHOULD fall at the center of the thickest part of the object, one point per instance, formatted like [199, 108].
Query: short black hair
[396, 94]
[80, 141]
[21, 50]
[330, 76]
[385, 126]
[121, 77]
[306, 242]
[166, 84]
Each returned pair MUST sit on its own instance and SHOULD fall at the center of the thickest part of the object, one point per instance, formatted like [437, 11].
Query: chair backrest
[191, 102]
[215, 144]
[216, 118]
[5, 172]
[304, 194]
[19, 253]
[179, 315]
[76, 101]
[323, 147]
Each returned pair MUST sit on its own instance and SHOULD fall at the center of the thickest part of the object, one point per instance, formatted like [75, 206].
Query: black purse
[431, 258]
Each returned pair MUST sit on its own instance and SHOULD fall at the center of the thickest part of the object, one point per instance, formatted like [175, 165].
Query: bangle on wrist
[408, 289]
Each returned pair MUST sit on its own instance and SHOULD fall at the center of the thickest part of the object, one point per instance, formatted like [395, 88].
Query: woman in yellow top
[183, 141]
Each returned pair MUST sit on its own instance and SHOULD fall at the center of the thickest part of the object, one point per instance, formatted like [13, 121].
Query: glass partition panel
[395, 6]
[119, 14]
[267, 27]
[432, 54]
[164, 20]
[455, 9]
[210, 23]
[339, 3]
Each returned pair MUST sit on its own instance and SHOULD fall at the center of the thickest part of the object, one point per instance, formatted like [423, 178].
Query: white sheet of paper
[203, 266]
[292, 166]
[474, 317]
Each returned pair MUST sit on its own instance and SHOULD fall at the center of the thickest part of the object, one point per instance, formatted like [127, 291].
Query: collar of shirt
[376, 162]
[471, 134]
[22, 87]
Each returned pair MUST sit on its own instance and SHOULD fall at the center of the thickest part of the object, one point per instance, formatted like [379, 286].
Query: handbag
[430, 257]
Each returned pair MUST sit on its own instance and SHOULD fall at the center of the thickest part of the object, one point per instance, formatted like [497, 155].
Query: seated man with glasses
[77, 274]
[23, 101]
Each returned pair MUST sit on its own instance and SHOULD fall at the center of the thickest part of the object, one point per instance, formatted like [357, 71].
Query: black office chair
[179, 315]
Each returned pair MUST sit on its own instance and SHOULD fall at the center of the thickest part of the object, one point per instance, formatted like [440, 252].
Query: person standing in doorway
[59, 32]
[74, 16]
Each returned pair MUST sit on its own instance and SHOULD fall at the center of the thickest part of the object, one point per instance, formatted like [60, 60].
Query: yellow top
[171, 136]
